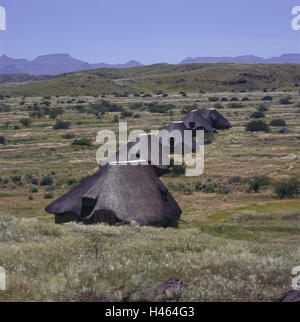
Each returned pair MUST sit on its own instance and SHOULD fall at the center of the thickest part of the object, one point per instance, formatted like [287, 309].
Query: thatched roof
[179, 126]
[216, 120]
[156, 156]
[129, 192]
[195, 121]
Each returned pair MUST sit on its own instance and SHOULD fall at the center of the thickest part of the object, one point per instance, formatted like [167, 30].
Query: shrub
[209, 138]
[35, 181]
[61, 125]
[25, 122]
[235, 105]
[278, 122]
[224, 191]
[55, 112]
[257, 115]
[287, 188]
[46, 181]
[218, 106]
[136, 116]
[125, 114]
[244, 99]
[262, 108]
[34, 190]
[285, 101]
[213, 99]
[5, 108]
[257, 182]
[165, 95]
[224, 99]
[267, 98]
[234, 99]
[82, 142]
[236, 179]
[71, 182]
[16, 179]
[257, 126]
[178, 170]
[210, 188]
[198, 186]
[2, 140]
[48, 196]
[68, 136]
[116, 119]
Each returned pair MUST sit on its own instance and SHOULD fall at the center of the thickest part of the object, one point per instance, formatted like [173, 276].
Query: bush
[2, 140]
[257, 182]
[61, 125]
[224, 99]
[257, 115]
[245, 99]
[16, 179]
[218, 106]
[46, 181]
[125, 114]
[48, 196]
[25, 122]
[235, 105]
[213, 99]
[34, 190]
[262, 108]
[234, 99]
[278, 122]
[82, 142]
[224, 191]
[236, 179]
[209, 137]
[55, 112]
[68, 136]
[287, 188]
[267, 98]
[116, 119]
[35, 181]
[285, 101]
[257, 126]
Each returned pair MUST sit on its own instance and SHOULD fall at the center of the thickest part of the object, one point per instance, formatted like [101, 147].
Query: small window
[192, 125]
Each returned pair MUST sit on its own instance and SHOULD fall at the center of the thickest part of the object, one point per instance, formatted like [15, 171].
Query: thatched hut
[119, 193]
[154, 153]
[169, 142]
[216, 120]
[195, 121]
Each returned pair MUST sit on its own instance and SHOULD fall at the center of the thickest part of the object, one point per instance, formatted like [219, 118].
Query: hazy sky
[150, 31]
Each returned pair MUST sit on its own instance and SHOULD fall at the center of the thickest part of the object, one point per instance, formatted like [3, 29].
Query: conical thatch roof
[216, 120]
[186, 148]
[156, 156]
[120, 193]
[195, 121]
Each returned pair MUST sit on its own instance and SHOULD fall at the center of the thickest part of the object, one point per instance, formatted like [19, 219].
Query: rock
[290, 296]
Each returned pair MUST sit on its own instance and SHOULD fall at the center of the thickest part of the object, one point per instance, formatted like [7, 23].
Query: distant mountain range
[247, 59]
[52, 65]
[56, 64]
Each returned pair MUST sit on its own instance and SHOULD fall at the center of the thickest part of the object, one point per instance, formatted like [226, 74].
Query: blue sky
[150, 31]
